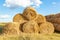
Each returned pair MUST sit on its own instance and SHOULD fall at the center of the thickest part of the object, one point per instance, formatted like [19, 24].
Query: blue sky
[9, 8]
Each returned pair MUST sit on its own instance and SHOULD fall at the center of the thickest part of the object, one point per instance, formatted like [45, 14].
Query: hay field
[33, 36]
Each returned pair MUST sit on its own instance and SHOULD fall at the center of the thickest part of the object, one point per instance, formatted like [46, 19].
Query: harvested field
[33, 36]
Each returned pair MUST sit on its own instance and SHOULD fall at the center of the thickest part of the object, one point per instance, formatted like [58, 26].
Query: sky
[9, 8]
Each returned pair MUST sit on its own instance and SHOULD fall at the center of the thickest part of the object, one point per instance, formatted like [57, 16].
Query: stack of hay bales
[13, 28]
[31, 14]
[55, 19]
[29, 22]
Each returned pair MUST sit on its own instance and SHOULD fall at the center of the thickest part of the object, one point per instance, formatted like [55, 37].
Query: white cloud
[23, 3]
[37, 2]
[4, 16]
[5, 20]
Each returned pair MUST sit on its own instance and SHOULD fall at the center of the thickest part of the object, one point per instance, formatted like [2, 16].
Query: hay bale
[11, 28]
[18, 17]
[40, 19]
[30, 13]
[31, 27]
[46, 28]
[21, 22]
[57, 26]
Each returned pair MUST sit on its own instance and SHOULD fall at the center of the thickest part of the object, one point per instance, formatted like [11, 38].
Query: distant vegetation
[2, 24]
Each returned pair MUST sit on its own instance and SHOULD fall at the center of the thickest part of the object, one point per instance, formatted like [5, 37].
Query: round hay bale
[21, 22]
[18, 17]
[46, 28]
[40, 19]
[30, 13]
[57, 27]
[31, 27]
[11, 28]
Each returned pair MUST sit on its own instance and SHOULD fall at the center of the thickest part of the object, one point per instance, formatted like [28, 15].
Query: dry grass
[31, 37]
